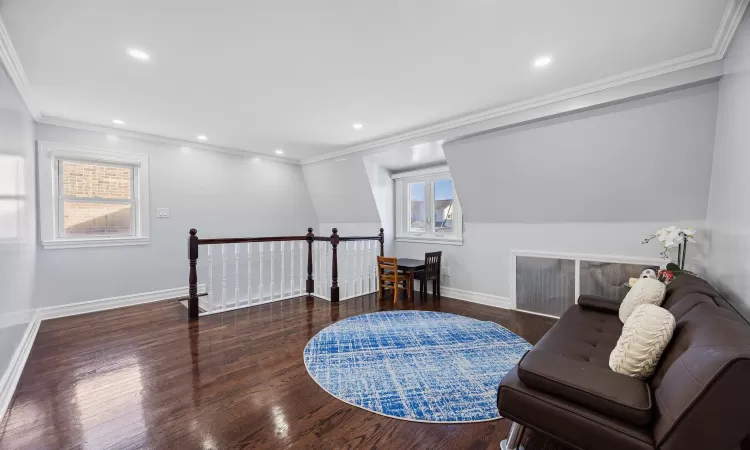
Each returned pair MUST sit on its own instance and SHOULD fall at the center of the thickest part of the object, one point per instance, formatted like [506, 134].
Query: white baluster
[210, 280]
[260, 291]
[223, 276]
[362, 269]
[273, 244]
[249, 273]
[236, 275]
[282, 270]
[367, 267]
[291, 268]
[326, 284]
[346, 266]
[301, 265]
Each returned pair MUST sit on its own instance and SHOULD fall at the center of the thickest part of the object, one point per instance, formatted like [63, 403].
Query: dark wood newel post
[193, 279]
[381, 238]
[310, 281]
[335, 266]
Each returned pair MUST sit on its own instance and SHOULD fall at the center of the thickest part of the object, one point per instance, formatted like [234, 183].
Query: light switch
[162, 213]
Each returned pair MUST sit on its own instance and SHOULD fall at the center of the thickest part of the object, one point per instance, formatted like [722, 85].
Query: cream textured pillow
[645, 290]
[644, 337]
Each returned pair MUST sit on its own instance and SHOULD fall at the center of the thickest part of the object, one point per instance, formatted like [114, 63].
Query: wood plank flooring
[144, 377]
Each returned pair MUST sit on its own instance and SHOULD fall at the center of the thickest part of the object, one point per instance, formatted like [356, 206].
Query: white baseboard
[10, 378]
[72, 309]
[471, 296]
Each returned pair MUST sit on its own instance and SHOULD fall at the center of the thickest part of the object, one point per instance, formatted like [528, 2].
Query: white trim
[470, 296]
[49, 184]
[729, 22]
[12, 374]
[430, 240]
[9, 59]
[62, 243]
[132, 134]
[590, 257]
[439, 170]
[73, 309]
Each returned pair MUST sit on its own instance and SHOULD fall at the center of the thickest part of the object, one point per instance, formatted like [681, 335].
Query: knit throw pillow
[644, 291]
[644, 337]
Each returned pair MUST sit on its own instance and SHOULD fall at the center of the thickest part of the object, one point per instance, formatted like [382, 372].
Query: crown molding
[731, 19]
[12, 64]
[123, 133]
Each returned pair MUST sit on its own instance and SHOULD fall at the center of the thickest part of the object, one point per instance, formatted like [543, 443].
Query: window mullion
[429, 206]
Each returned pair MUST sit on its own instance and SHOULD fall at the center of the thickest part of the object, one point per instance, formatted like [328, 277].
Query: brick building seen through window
[96, 199]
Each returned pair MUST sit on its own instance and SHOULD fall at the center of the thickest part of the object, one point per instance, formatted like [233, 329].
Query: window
[427, 209]
[92, 197]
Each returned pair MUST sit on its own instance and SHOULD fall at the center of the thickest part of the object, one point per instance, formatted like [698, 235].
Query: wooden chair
[390, 278]
[431, 272]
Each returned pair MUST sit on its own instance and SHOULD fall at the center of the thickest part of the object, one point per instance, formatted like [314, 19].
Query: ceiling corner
[12, 64]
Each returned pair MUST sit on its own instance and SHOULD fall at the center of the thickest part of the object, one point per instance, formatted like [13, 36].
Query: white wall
[221, 195]
[340, 191]
[17, 220]
[729, 204]
[605, 165]
[577, 184]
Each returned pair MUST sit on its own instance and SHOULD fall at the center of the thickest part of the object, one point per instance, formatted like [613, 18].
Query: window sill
[430, 240]
[95, 242]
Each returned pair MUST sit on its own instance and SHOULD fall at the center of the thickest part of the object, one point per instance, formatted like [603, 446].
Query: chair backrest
[387, 266]
[432, 265]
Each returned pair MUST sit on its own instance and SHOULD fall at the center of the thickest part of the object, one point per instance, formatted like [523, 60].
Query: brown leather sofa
[698, 398]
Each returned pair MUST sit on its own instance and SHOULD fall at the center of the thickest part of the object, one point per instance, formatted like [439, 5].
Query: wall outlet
[445, 271]
[162, 213]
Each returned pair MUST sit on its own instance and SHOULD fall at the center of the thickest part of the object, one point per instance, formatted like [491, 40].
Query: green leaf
[674, 268]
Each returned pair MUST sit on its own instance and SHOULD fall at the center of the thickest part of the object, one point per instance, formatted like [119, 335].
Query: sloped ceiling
[643, 160]
[341, 192]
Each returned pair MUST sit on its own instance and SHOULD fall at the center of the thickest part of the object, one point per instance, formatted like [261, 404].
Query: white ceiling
[417, 156]
[295, 74]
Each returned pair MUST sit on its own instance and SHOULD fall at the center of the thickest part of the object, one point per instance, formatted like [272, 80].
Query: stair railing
[320, 278]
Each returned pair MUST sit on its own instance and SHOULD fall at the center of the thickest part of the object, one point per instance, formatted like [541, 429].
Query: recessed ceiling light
[139, 54]
[542, 61]
[279, 151]
[357, 126]
[118, 122]
[202, 137]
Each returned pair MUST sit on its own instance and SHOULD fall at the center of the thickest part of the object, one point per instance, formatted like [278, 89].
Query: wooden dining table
[410, 266]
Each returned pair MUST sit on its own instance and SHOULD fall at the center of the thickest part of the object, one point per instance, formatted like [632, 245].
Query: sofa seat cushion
[583, 334]
[597, 388]
[572, 424]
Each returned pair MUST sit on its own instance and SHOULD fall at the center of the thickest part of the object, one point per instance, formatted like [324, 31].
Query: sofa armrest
[604, 304]
[597, 388]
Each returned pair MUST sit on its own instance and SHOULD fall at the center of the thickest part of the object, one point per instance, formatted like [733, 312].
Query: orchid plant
[674, 237]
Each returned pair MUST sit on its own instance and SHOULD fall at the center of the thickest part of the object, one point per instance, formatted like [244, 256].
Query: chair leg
[396, 288]
[434, 288]
[513, 442]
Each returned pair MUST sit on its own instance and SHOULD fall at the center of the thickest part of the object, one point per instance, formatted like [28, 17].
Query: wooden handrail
[194, 242]
[255, 239]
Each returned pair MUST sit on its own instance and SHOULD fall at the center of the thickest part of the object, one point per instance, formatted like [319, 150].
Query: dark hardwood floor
[143, 377]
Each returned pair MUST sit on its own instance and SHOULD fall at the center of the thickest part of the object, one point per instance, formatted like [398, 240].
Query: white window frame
[428, 176]
[49, 154]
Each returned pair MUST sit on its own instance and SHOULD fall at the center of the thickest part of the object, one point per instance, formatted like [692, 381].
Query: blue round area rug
[422, 366]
